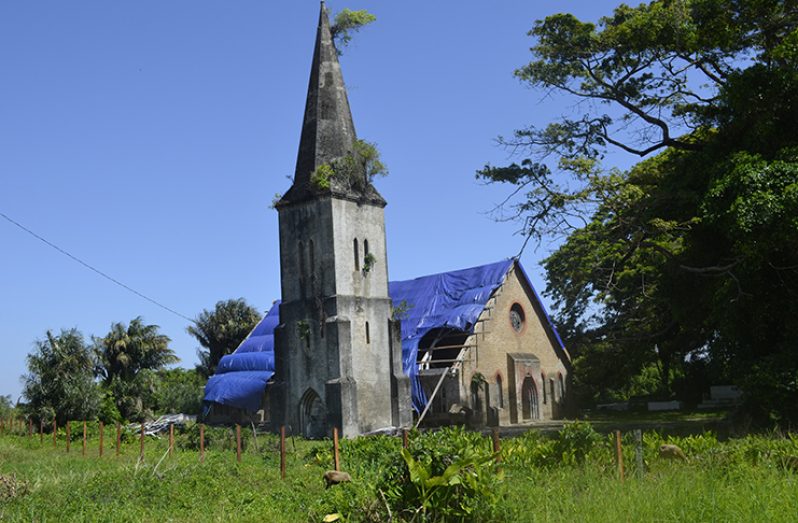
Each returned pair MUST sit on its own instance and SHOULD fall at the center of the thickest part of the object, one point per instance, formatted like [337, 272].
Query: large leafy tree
[60, 379]
[221, 330]
[693, 253]
[126, 359]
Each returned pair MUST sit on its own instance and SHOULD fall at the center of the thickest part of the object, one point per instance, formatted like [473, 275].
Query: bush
[574, 442]
[531, 449]
[571, 446]
[450, 474]
[216, 438]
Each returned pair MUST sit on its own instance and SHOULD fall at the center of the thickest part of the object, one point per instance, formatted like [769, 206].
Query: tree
[60, 380]
[126, 359]
[221, 331]
[6, 406]
[347, 22]
[179, 391]
[693, 254]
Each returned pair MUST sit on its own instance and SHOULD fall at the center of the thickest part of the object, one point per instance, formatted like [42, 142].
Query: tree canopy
[690, 259]
[221, 330]
[126, 359]
[347, 22]
[60, 379]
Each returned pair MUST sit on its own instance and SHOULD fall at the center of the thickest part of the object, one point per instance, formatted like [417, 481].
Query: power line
[98, 271]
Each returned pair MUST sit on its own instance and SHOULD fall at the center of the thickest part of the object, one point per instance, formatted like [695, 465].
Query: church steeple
[327, 129]
[337, 356]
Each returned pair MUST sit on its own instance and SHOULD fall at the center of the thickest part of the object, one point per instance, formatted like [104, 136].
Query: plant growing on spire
[347, 22]
[356, 170]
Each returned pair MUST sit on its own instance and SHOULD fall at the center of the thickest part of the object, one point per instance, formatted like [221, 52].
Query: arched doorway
[312, 415]
[529, 399]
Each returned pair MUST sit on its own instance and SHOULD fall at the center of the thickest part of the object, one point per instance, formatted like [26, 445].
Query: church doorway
[529, 399]
[312, 416]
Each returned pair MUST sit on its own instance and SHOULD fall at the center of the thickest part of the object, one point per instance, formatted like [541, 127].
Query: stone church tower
[337, 351]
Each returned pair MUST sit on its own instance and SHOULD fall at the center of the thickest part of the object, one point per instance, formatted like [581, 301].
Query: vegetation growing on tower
[354, 171]
[347, 22]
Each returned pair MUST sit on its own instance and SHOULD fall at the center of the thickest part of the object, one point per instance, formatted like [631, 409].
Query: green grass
[742, 480]
[673, 493]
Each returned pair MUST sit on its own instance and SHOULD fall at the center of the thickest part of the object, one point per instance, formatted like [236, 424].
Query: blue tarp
[451, 300]
[241, 377]
[448, 300]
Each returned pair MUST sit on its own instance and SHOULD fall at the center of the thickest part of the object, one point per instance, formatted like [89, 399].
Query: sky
[149, 138]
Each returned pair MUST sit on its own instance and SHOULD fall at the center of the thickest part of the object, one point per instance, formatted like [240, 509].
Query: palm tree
[221, 331]
[126, 361]
[127, 350]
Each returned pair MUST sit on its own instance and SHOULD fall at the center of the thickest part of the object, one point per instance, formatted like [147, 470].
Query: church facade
[343, 348]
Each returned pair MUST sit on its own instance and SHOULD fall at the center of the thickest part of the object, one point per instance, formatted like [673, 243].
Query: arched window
[365, 247]
[357, 255]
[551, 389]
[500, 390]
[302, 268]
[561, 381]
[368, 334]
[312, 257]
[543, 384]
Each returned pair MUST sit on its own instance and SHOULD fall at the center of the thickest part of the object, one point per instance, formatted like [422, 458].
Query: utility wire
[101, 273]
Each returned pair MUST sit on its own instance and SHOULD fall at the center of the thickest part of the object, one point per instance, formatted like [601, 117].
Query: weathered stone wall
[334, 336]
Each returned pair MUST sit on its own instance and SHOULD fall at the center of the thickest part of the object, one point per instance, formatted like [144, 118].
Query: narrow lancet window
[357, 255]
[301, 256]
[368, 334]
[543, 385]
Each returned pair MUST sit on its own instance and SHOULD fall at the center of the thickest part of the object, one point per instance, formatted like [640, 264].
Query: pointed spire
[327, 130]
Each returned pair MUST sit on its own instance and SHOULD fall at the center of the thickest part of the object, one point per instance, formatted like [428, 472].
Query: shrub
[574, 442]
[449, 474]
[216, 438]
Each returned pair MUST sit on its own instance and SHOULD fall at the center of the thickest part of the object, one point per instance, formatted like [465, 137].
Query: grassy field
[572, 477]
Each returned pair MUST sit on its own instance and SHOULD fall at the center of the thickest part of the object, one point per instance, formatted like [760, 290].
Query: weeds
[446, 475]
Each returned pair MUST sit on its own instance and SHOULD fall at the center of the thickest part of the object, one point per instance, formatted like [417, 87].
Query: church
[344, 347]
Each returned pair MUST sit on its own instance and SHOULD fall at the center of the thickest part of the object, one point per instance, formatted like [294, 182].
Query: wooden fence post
[68, 436]
[282, 451]
[404, 439]
[497, 447]
[238, 442]
[118, 438]
[202, 442]
[55, 433]
[336, 456]
[619, 454]
[84, 438]
[41, 432]
[102, 430]
[141, 443]
[171, 438]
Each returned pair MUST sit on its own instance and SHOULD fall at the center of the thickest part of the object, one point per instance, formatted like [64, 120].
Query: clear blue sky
[149, 138]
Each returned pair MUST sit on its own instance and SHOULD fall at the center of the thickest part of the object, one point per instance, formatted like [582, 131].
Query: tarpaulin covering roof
[241, 377]
[452, 300]
[447, 300]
